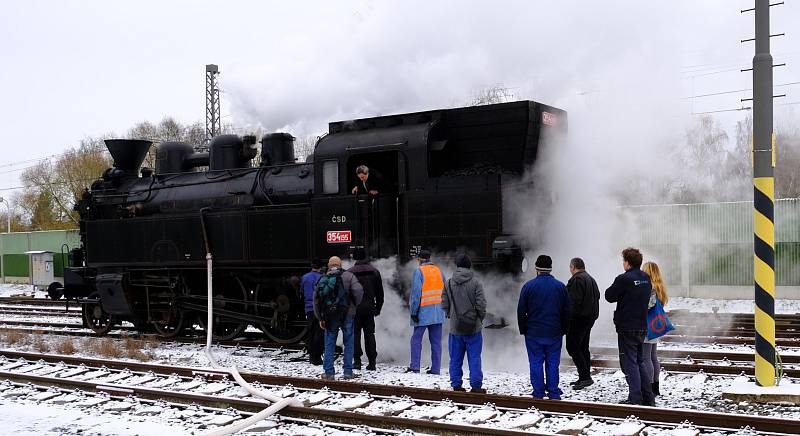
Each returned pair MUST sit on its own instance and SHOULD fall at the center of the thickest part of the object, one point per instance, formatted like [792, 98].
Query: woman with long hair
[659, 293]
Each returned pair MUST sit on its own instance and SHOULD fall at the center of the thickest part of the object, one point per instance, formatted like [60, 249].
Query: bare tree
[491, 95]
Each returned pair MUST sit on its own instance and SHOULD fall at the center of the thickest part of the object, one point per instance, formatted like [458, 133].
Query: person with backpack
[370, 307]
[336, 297]
[425, 308]
[314, 336]
[464, 304]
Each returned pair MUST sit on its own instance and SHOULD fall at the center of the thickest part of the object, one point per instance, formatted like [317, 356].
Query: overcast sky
[72, 69]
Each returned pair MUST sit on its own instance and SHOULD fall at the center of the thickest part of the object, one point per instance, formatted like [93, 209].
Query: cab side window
[330, 177]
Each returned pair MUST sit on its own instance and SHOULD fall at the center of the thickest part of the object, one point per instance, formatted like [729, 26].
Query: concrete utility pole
[212, 103]
[763, 200]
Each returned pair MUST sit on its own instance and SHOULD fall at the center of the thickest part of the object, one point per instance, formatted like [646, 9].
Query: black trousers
[578, 346]
[365, 322]
[315, 338]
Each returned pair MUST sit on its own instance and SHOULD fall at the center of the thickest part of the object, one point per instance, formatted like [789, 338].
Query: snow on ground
[679, 390]
[704, 305]
[19, 290]
[24, 417]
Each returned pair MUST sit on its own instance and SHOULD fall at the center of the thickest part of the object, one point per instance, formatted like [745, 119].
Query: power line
[734, 91]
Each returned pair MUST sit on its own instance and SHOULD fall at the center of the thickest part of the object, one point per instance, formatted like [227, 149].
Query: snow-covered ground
[703, 305]
[17, 290]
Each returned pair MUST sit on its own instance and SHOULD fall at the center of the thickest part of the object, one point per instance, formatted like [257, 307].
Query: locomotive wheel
[229, 294]
[96, 318]
[287, 326]
[175, 320]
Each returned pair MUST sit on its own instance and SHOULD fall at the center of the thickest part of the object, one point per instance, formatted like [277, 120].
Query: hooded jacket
[463, 299]
[584, 297]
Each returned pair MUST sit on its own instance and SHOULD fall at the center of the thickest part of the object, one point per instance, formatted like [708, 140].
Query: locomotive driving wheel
[95, 317]
[230, 295]
[287, 325]
[172, 317]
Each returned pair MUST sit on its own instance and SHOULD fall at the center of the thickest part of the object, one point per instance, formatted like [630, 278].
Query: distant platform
[741, 390]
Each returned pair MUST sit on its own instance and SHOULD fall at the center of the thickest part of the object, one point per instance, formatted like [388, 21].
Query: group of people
[548, 310]
[349, 300]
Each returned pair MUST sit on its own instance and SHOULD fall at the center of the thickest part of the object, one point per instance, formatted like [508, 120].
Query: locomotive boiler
[444, 176]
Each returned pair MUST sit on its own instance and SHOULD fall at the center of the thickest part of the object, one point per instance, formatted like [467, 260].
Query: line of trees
[52, 185]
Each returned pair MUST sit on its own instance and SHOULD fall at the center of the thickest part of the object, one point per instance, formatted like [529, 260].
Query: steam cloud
[616, 76]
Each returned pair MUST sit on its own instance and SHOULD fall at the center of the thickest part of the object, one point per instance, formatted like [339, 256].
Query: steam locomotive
[146, 233]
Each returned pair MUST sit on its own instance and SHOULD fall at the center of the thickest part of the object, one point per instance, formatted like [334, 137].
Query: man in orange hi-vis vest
[425, 307]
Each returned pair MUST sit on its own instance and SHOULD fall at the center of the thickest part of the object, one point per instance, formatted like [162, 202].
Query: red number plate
[548, 119]
[339, 236]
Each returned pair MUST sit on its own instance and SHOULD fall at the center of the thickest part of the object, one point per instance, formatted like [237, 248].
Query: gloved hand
[415, 318]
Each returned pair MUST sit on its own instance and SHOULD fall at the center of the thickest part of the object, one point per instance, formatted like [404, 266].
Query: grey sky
[72, 69]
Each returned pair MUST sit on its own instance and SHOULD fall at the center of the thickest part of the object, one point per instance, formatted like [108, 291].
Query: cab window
[330, 177]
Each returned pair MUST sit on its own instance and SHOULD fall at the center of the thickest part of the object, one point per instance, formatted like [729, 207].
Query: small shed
[42, 269]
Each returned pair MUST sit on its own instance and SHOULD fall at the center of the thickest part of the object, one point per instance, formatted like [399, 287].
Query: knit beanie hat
[463, 261]
[544, 263]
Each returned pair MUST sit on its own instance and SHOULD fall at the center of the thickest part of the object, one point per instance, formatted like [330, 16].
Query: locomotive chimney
[128, 154]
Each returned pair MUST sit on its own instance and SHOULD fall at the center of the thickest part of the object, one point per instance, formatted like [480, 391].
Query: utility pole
[212, 103]
[763, 200]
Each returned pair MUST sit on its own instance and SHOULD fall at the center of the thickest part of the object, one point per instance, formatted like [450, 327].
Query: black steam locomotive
[146, 233]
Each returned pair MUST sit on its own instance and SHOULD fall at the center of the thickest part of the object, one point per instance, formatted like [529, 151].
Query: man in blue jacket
[543, 317]
[315, 335]
[425, 308]
[631, 291]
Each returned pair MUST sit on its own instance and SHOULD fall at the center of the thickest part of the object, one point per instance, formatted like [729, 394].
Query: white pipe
[210, 307]
[278, 402]
[244, 423]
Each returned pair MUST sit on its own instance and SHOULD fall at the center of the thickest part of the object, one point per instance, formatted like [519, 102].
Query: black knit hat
[463, 261]
[424, 254]
[359, 253]
[544, 263]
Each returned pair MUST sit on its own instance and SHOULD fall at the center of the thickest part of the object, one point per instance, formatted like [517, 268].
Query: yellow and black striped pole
[763, 200]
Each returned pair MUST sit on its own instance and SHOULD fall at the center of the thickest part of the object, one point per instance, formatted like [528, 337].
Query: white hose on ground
[278, 402]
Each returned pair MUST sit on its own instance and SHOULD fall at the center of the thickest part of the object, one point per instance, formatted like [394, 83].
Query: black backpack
[333, 301]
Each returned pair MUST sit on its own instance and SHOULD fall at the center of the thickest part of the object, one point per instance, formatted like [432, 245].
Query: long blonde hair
[651, 269]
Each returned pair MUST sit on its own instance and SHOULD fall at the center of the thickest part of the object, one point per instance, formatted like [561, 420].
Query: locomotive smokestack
[128, 154]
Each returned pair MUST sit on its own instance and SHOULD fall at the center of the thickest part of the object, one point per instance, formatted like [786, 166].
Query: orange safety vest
[432, 285]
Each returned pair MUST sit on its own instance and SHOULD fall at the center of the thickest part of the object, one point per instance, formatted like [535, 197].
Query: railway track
[604, 357]
[425, 410]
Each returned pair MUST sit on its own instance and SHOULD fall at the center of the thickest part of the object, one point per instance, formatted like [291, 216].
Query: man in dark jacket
[543, 317]
[631, 291]
[314, 336]
[584, 298]
[370, 307]
[354, 293]
[463, 302]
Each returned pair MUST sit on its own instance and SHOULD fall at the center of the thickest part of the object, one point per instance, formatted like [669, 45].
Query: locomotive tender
[145, 233]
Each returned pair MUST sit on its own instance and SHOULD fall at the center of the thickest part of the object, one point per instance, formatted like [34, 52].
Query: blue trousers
[544, 352]
[435, 336]
[471, 345]
[330, 347]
